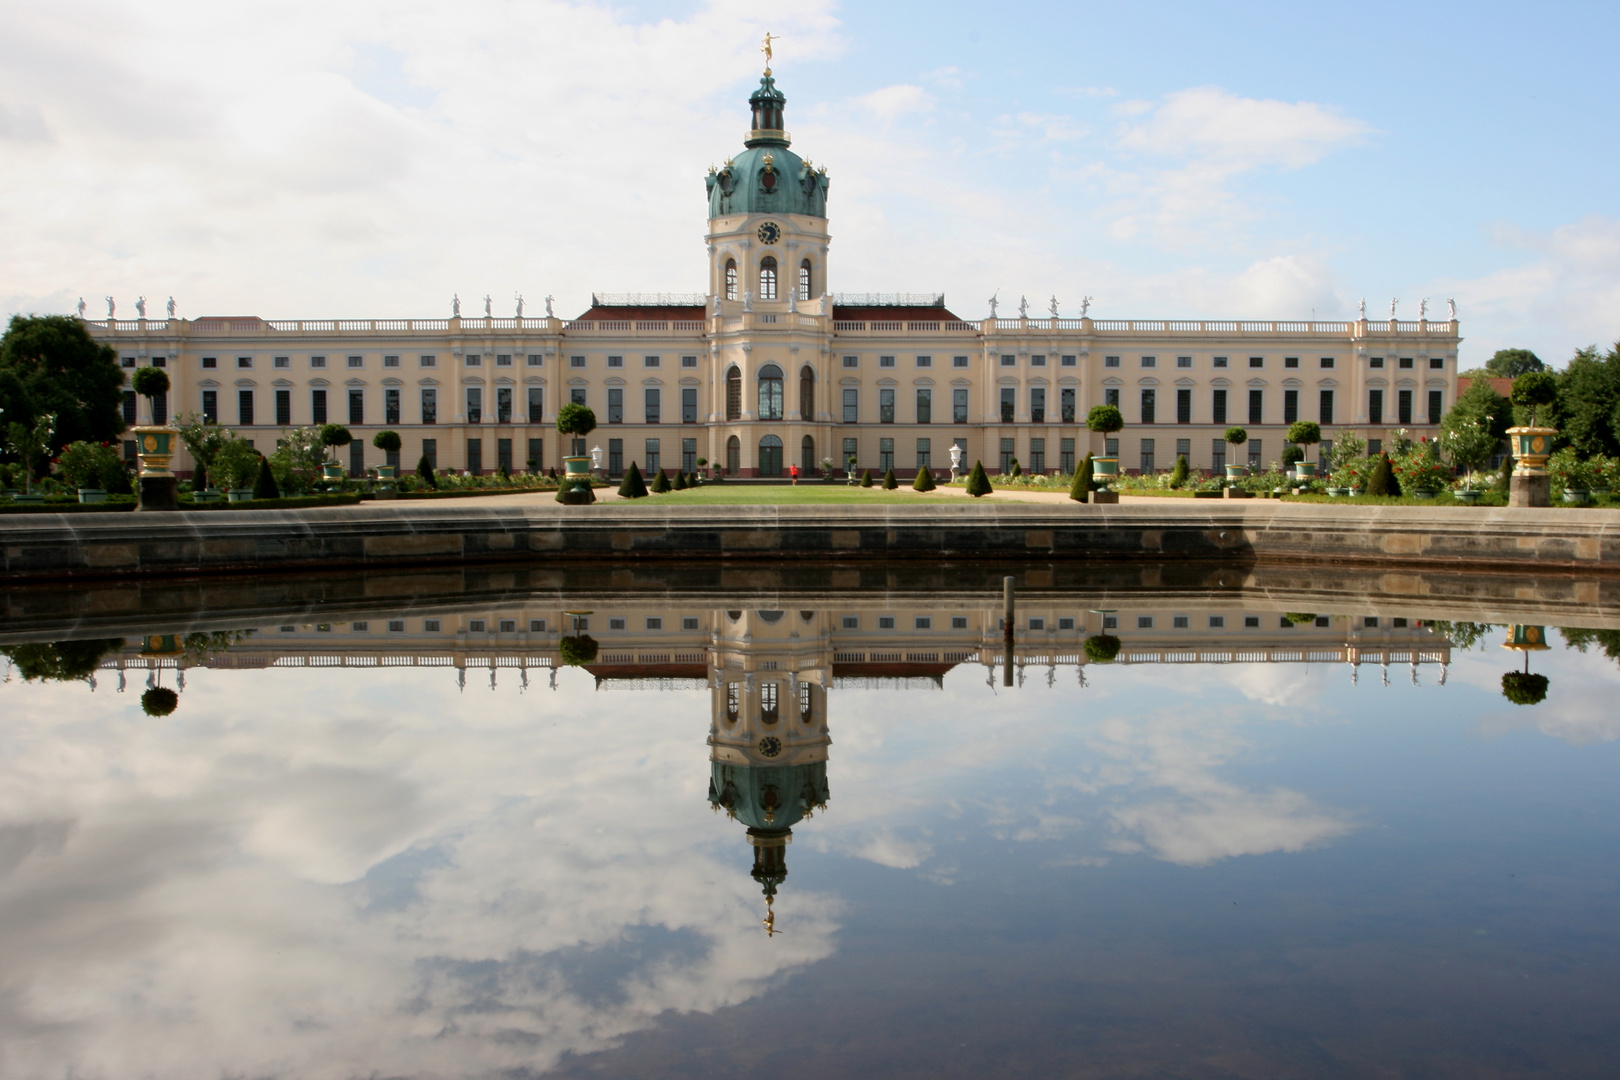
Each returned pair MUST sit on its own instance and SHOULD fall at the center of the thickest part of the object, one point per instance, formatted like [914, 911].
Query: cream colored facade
[768, 369]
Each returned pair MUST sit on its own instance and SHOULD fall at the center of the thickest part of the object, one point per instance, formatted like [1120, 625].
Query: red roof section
[894, 314]
[1500, 383]
[631, 314]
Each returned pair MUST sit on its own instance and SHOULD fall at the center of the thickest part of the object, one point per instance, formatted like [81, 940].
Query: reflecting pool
[692, 826]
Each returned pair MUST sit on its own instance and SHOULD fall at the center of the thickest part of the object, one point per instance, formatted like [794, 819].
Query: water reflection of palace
[769, 671]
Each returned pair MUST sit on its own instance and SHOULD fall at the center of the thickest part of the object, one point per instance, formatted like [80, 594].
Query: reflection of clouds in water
[1275, 684]
[1580, 707]
[1197, 831]
[515, 891]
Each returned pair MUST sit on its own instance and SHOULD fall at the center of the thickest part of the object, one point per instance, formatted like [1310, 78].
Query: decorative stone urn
[155, 446]
[159, 645]
[1236, 472]
[578, 466]
[331, 470]
[1530, 485]
[1305, 470]
[386, 488]
[1105, 468]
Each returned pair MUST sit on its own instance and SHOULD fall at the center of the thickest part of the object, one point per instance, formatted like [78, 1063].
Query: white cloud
[1213, 123]
[891, 103]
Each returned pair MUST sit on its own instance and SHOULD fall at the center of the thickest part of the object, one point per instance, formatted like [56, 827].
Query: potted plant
[576, 650]
[389, 443]
[236, 464]
[826, 470]
[1532, 445]
[1235, 437]
[1304, 433]
[202, 439]
[576, 421]
[334, 435]
[1468, 441]
[83, 464]
[1570, 475]
[1106, 419]
[31, 444]
[1102, 648]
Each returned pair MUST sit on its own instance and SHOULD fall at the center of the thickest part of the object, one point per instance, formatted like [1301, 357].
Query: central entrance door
[770, 456]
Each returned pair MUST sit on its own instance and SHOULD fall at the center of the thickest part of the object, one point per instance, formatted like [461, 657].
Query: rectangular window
[503, 455]
[959, 406]
[1037, 456]
[390, 361]
[1037, 405]
[1290, 406]
[925, 405]
[1144, 622]
[1217, 622]
[1290, 361]
[391, 405]
[885, 406]
[129, 405]
[1147, 456]
[1327, 363]
[357, 361]
[1435, 413]
[1037, 360]
[1066, 405]
[537, 404]
[1184, 449]
[925, 454]
[1219, 361]
[536, 459]
[615, 409]
[1111, 396]
[317, 406]
[1069, 360]
[1008, 451]
[430, 450]
[576, 361]
[925, 361]
[652, 403]
[430, 626]
[852, 403]
[210, 407]
[1324, 409]
[357, 458]
[885, 454]
[1036, 624]
[689, 455]
[959, 361]
[430, 405]
[615, 361]
[1183, 361]
[537, 360]
[1406, 363]
[207, 361]
[1110, 361]
[851, 449]
[615, 457]
[1150, 361]
[1254, 453]
[1257, 361]
[1375, 361]
[1375, 446]
[277, 362]
[421, 361]
[1009, 403]
[576, 395]
[654, 457]
[922, 622]
[885, 361]
[688, 361]
[1403, 406]
[244, 408]
[1217, 407]
[357, 407]
[1184, 405]
[689, 622]
[1066, 457]
[1009, 360]
[852, 361]
[503, 404]
[1257, 403]
[885, 622]
[689, 415]
[1149, 405]
[475, 405]
[160, 408]
[244, 362]
[1217, 455]
[651, 361]
[1180, 622]
[284, 408]
[1375, 406]
[1437, 363]
[1110, 622]
[475, 456]
[503, 359]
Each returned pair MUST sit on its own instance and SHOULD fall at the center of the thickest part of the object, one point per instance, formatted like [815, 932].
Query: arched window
[807, 394]
[734, 394]
[770, 392]
[731, 279]
[770, 456]
[767, 278]
[804, 280]
[807, 456]
[733, 456]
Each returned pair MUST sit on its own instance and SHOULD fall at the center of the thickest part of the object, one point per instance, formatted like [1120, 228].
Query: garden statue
[1363, 309]
[1392, 302]
[1451, 308]
[81, 307]
[520, 305]
[1085, 307]
[140, 307]
[1023, 307]
[549, 314]
[111, 307]
[171, 307]
[488, 303]
[455, 306]
[1054, 306]
[1423, 310]
[992, 307]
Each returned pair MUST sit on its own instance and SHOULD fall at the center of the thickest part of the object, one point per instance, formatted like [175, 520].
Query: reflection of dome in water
[769, 799]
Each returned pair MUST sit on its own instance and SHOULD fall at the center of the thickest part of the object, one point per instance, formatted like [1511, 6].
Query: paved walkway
[548, 498]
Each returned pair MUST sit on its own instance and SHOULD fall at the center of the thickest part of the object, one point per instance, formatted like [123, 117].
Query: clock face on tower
[770, 233]
[770, 746]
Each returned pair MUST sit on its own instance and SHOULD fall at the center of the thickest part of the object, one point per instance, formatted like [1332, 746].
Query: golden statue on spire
[766, 49]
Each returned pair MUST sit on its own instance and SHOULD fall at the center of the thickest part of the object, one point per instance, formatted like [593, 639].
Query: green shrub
[632, 486]
[576, 651]
[978, 484]
[576, 419]
[1082, 480]
[1535, 389]
[60, 661]
[1304, 433]
[1017, 470]
[889, 482]
[1290, 455]
[159, 701]
[236, 464]
[924, 480]
[265, 486]
[84, 464]
[115, 479]
[335, 435]
[680, 481]
[661, 484]
[1382, 479]
[1235, 436]
[424, 469]
[386, 441]
[149, 382]
[1105, 418]
[1178, 475]
[866, 478]
[1524, 687]
[1299, 617]
[1102, 648]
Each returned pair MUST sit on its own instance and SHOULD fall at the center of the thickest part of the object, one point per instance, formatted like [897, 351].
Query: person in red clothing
[793, 471]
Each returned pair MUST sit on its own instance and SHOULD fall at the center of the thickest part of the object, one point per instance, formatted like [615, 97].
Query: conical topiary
[265, 486]
[632, 486]
[1017, 469]
[866, 478]
[1081, 486]
[661, 483]
[1178, 475]
[924, 480]
[424, 469]
[1382, 480]
[680, 481]
[889, 482]
[978, 484]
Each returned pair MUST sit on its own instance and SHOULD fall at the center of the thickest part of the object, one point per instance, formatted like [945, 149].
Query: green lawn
[804, 494]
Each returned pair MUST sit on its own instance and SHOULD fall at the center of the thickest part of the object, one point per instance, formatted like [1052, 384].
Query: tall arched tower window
[770, 392]
[733, 394]
[767, 278]
[731, 279]
[807, 393]
[804, 280]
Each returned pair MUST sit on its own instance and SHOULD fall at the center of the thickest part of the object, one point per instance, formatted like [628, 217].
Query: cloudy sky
[354, 158]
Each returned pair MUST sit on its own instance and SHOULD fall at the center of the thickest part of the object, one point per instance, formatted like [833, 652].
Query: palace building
[769, 368]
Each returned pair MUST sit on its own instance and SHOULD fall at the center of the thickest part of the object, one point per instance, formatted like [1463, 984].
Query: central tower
[770, 318]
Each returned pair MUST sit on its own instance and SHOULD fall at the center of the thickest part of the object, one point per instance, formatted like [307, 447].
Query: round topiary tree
[159, 700]
[1235, 436]
[1102, 648]
[1534, 389]
[1304, 433]
[388, 442]
[978, 484]
[1524, 687]
[335, 435]
[577, 650]
[149, 382]
[1105, 419]
[576, 420]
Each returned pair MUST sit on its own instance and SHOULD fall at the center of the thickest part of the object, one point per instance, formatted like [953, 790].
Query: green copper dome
[769, 797]
[767, 177]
